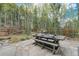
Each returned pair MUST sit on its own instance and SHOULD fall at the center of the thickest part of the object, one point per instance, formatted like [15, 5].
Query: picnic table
[49, 40]
[49, 37]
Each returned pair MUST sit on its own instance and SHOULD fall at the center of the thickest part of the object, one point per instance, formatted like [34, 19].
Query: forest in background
[47, 17]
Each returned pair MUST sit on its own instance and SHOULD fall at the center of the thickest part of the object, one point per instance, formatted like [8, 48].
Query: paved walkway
[24, 48]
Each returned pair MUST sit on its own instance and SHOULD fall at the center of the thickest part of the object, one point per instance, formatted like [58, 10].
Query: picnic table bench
[49, 41]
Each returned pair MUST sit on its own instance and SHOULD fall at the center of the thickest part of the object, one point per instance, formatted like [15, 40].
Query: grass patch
[21, 37]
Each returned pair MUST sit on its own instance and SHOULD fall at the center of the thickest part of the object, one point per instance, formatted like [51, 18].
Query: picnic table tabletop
[60, 37]
[45, 35]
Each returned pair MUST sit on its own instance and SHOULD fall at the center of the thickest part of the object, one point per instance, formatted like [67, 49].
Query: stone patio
[24, 48]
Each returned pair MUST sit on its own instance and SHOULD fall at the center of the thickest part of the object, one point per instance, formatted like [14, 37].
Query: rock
[7, 51]
[69, 47]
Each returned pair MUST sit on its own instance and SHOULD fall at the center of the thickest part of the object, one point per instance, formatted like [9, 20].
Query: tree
[35, 20]
[55, 12]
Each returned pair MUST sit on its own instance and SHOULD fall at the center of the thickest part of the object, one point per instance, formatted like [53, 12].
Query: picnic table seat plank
[52, 44]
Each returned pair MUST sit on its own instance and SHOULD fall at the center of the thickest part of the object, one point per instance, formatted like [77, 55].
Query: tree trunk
[78, 10]
[5, 20]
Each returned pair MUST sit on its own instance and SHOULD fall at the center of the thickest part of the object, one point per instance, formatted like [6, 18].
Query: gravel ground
[24, 48]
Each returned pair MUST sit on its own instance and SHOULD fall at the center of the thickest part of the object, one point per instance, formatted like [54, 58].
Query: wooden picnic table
[48, 39]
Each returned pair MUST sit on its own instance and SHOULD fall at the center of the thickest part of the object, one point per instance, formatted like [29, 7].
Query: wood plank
[53, 44]
[4, 37]
[60, 37]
